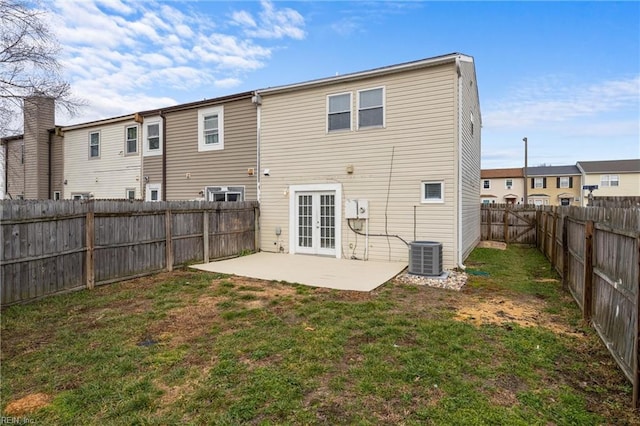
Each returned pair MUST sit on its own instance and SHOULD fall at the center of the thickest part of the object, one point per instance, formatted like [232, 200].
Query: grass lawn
[197, 348]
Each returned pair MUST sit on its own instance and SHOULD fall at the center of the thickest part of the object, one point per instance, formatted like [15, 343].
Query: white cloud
[115, 51]
[549, 100]
[272, 22]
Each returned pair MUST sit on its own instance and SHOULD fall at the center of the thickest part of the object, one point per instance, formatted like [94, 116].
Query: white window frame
[608, 180]
[56, 195]
[564, 181]
[333, 95]
[91, 145]
[508, 183]
[486, 184]
[126, 140]
[127, 193]
[146, 151]
[538, 183]
[384, 108]
[153, 187]
[226, 190]
[423, 194]
[202, 113]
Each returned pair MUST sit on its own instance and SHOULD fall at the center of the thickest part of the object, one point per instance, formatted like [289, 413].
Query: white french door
[315, 222]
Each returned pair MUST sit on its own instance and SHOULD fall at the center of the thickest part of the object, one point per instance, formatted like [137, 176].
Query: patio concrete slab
[315, 271]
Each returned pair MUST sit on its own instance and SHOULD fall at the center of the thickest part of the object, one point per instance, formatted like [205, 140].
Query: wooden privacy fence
[50, 247]
[510, 223]
[596, 250]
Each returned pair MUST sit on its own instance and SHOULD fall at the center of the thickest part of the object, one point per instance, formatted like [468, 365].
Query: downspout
[164, 156]
[50, 161]
[257, 100]
[459, 164]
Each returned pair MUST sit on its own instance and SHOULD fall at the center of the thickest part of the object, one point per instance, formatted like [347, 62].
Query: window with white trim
[211, 129]
[94, 145]
[225, 193]
[486, 184]
[152, 136]
[432, 192]
[339, 112]
[131, 140]
[154, 192]
[56, 195]
[538, 183]
[508, 183]
[131, 193]
[371, 108]
[609, 180]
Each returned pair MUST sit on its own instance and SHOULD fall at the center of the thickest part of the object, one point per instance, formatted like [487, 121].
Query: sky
[566, 75]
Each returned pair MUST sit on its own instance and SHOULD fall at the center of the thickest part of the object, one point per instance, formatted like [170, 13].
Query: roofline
[8, 139]
[98, 122]
[422, 63]
[190, 105]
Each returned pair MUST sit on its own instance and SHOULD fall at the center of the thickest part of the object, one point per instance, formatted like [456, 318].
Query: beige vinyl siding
[469, 159]
[15, 169]
[151, 172]
[226, 167]
[628, 185]
[107, 176]
[420, 122]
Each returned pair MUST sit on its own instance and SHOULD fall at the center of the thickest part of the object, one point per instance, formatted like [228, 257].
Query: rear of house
[352, 166]
[102, 159]
[614, 178]
[202, 150]
[502, 186]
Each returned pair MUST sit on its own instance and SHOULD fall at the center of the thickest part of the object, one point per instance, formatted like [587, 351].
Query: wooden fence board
[50, 246]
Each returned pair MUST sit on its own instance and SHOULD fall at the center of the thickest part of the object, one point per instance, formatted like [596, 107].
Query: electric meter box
[356, 209]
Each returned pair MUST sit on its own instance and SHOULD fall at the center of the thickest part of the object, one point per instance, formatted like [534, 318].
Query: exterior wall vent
[425, 258]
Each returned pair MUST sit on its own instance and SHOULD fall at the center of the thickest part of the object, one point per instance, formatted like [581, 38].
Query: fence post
[636, 364]
[256, 228]
[205, 235]
[506, 224]
[554, 229]
[168, 244]
[538, 227]
[90, 234]
[565, 253]
[588, 270]
[489, 214]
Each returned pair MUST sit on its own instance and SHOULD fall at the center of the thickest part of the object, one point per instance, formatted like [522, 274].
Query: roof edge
[421, 63]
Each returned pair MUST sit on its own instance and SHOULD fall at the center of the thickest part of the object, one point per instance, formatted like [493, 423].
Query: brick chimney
[39, 117]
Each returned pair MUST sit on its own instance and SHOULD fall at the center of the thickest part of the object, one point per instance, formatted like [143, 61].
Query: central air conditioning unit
[425, 258]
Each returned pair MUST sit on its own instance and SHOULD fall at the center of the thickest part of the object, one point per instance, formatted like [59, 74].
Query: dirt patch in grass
[525, 312]
[27, 404]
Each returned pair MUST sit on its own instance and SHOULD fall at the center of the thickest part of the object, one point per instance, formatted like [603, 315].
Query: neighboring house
[102, 159]
[403, 140]
[33, 166]
[554, 185]
[615, 178]
[201, 150]
[502, 186]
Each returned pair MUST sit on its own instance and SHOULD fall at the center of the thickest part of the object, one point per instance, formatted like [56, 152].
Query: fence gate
[509, 223]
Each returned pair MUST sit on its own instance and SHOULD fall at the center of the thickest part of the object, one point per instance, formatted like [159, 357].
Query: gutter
[459, 162]
[51, 132]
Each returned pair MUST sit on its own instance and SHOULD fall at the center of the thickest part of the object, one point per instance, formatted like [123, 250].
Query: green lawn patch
[198, 348]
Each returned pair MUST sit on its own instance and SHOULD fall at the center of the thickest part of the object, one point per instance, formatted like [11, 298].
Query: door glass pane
[327, 221]
[305, 221]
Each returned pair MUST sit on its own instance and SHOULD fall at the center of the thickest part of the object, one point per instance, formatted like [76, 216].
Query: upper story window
[565, 182]
[339, 112]
[433, 192]
[131, 142]
[508, 183]
[609, 180]
[371, 108]
[152, 136]
[211, 129]
[486, 184]
[94, 145]
[539, 183]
